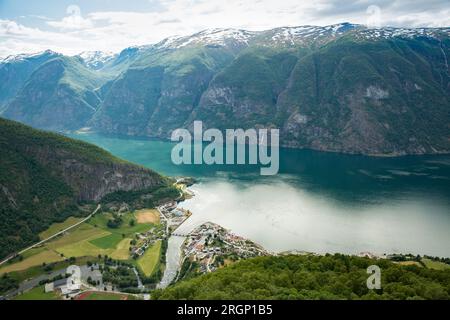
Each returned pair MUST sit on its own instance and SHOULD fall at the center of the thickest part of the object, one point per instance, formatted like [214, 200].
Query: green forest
[334, 277]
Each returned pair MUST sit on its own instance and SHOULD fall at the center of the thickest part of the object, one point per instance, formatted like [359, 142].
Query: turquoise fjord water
[319, 202]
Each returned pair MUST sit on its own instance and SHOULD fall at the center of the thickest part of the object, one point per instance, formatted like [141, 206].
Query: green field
[57, 227]
[436, 265]
[122, 251]
[101, 221]
[86, 241]
[33, 251]
[84, 232]
[45, 255]
[95, 237]
[107, 242]
[149, 262]
[37, 293]
[38, 270]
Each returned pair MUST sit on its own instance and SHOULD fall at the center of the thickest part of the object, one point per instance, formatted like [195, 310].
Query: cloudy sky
[71, 26]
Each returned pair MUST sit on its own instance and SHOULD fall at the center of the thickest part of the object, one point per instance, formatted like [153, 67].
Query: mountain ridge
[338, 88]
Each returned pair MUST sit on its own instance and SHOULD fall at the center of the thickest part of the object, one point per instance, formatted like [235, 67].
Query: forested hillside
[312, 277]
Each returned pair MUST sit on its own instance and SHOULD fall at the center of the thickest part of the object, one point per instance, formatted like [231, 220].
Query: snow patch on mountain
[25, 56]
[220, 37]
[302, 34]
[387, 33]
[96, 59]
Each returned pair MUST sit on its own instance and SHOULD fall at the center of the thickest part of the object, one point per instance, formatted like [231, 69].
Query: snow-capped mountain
[292, 36]
[343, 87]
[96, 59]
[209, 37]
[388, 32]
[237, 37]
[26, 56]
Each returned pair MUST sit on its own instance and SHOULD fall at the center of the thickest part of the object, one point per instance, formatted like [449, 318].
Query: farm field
[436, 265]
[84, 232]
[126, 228]
[35, 271]
[33, 251]
[43, 255]
[122, 251]
[150, 260]
[57, 227]
[147, 216]
[410, 263]
[107, 242]
[89, 239]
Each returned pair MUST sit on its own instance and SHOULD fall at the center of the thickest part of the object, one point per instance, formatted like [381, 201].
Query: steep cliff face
[91, 181]
[44, 178]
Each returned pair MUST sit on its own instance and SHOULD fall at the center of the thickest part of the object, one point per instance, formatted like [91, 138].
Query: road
[53, 236]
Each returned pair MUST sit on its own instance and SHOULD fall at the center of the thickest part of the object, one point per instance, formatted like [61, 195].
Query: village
[212, 246]
[171, 217]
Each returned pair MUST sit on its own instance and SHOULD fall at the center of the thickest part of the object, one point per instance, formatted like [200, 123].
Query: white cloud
[74, 21]
[113, 31]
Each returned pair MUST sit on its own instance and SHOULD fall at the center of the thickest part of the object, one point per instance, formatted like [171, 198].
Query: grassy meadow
[57, 227]
[149, 261]
[88, 240]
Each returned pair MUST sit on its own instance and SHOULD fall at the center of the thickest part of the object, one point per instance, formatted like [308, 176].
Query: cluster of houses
[173, 215]
[147, 240]
[210, 241]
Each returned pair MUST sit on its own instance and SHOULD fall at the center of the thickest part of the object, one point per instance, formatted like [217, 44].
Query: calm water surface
[319, 202]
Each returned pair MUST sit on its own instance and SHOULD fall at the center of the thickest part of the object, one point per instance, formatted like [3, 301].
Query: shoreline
[180, 246]
[393, 155]
[361, 252]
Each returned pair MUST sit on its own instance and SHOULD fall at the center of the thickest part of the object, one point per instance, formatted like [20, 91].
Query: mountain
[159, 91]
[45, 177]
[59, 95]
[309, 277]
[96, 60]
[15, 71]
[109, 64]
[341, 88]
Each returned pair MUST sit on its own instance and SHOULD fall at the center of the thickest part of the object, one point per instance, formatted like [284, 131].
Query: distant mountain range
[341, 88]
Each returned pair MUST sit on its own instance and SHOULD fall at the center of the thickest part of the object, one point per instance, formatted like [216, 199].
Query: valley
[130, 244]
[145, 174]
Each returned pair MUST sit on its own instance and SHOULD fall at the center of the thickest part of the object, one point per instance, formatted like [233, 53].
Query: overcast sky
[71, 26]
